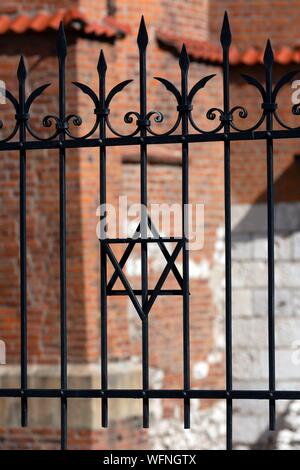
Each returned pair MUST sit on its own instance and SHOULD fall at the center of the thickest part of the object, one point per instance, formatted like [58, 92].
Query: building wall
[199, 19]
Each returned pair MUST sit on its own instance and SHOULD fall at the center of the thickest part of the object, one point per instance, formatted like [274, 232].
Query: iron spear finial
[61, 43]
[184, 60]
[102, 66]
[225, 33]
[22, 73]
[142, 38]
[268, 55]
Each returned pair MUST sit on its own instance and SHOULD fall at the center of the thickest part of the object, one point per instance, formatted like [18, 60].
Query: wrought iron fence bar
[62, 53]
[142, 41]
[102, 68]
[184, 67]
[23, 240]
[163, 394]
[268, 62]
[226, 41]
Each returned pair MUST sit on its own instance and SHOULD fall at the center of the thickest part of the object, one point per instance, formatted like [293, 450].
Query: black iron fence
[24, 138]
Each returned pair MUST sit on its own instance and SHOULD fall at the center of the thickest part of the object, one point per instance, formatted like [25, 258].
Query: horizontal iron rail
[150, 291]
[152, 140]
[141, 240]
[162, 394]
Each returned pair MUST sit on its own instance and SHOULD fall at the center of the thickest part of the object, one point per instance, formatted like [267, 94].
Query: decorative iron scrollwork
[144, 119]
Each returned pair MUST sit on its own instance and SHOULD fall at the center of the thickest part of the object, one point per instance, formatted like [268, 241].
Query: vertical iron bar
[142, 41]
[268, 62]
[226, 41]
[102, 67]
[184, 66]
[62, 53]
[23, 243]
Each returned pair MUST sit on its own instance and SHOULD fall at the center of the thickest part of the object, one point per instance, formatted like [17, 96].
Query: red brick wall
[249, 158]
[187, 18]
[42, 214]
[253, 22]
[25, 7]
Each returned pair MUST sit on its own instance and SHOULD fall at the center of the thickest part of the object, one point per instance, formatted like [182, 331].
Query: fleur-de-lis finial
[225, 32]
[142, 38]
[102, 66]
[184, 60]
[22, 73]
[61, 43]
[268, 55]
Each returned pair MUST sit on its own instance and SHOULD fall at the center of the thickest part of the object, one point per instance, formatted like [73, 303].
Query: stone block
[283, 247]
[247, 274]
[248, 429]
[250, 333]
[242, 247]
[260, 248]
[286, 368]
[295, 302]
[287, 274]
[250, 364]
[296, 246]
[242, 302]
[83, 413]
[283, 302]
[287, 332]
[260, 302]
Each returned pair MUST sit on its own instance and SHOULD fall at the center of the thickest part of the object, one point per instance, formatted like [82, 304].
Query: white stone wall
[250, 313]
[208, 429]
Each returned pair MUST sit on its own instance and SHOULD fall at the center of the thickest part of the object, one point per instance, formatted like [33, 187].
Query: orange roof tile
[4, 24]
[72, 18]
[20, 24]
[210, 52]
